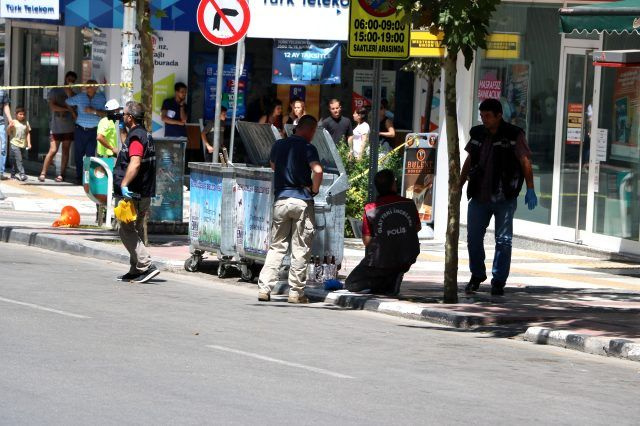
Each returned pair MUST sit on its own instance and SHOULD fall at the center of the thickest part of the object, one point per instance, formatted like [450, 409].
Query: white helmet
[111, 105]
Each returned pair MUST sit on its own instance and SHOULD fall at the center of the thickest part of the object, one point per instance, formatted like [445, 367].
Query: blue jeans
[3, 147]
[478, 217]
[84, 144]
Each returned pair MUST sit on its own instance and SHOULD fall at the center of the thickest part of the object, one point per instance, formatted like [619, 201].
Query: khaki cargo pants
[134, 237]
[293, 221]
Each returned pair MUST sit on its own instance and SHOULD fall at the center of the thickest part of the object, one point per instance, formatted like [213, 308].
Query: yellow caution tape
[125, 211]
[56, 86]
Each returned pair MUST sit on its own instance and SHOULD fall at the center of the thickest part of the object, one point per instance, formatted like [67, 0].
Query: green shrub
[358, 173]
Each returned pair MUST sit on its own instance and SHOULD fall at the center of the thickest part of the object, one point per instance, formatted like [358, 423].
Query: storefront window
[617, 204]
[520, 66]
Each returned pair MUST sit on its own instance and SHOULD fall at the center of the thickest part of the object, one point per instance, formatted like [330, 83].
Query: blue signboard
[303, 62]
[177, 15]
[228, 79]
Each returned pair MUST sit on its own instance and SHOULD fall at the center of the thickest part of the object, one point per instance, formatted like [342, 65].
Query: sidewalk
[587, 303]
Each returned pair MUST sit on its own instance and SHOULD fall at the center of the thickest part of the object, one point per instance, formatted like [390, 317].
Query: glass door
[576, 140]
[39, 67]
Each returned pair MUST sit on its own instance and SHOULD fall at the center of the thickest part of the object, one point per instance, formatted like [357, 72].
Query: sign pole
[238, 73]
[374, 136]
[216, 127]
[126, 74]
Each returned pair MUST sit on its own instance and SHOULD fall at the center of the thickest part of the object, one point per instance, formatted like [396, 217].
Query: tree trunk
[427, 109]
[453, 149]
[145, 33]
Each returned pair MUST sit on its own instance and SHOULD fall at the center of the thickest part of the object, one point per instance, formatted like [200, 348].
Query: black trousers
[378, 280]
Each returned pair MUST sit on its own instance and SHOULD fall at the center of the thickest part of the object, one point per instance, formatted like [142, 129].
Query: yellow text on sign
[425, 44]
[377, 38]
[503, 46]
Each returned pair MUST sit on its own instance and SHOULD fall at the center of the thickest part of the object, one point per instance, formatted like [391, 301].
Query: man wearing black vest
[496, 167]
[134, 179]
[390, 227]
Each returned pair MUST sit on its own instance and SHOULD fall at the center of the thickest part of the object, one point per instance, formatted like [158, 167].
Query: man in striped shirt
[90, 108]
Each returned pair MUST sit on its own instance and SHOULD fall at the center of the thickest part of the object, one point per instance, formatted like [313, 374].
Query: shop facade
[581, 123]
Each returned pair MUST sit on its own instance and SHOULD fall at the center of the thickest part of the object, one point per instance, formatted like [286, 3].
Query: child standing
[20, 135]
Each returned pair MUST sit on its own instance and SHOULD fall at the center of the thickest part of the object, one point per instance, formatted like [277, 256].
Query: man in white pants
[293, 161]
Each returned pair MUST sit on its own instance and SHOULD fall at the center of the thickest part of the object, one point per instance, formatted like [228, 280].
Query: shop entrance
[574, 139]
[37, 64]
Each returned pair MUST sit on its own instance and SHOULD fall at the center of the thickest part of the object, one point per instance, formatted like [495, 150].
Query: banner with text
[21, 9]
[304, 62]
[228, 81]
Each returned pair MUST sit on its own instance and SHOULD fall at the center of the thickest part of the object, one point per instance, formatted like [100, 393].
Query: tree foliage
[465, 23]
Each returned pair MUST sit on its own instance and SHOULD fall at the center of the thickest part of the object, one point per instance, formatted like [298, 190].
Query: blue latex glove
[531, 200]
[126, 193]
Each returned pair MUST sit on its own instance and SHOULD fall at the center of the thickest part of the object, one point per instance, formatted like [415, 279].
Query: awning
[612, 17]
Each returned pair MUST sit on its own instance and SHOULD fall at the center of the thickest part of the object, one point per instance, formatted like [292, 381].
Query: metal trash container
[167, 205]
[211, 214]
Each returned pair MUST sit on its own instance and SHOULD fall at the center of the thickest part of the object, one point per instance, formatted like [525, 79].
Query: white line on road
[282, 362]
[43, 308]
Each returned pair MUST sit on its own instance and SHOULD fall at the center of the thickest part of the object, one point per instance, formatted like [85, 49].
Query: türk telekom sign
[300, 19]
[30, 9]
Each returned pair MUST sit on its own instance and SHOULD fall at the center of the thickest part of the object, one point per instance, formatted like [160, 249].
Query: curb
[398, 308]
[62, 244]
[620, 348]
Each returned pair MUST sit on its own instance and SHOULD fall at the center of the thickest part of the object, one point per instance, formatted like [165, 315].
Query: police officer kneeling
[390, 227]
[134, 178]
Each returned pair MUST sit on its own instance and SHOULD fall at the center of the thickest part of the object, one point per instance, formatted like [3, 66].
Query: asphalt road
[77, 347]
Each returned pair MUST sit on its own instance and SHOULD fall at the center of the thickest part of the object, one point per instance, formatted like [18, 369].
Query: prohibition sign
[378, 8]
[223, 22]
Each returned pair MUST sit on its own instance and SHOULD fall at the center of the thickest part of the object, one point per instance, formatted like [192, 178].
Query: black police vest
[394, 241]
[507, 170]
[145, 181]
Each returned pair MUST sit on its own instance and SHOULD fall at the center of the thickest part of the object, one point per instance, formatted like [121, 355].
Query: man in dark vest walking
[134, 178]
[497, 165]
[390, 227]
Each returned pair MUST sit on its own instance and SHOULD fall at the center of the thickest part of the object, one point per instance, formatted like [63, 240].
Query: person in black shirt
[339, 127]
[174, 112]
[296, 180]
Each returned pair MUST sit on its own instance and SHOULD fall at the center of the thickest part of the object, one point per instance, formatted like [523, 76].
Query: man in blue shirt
[293, 161]
[90, 109]
[174, 112]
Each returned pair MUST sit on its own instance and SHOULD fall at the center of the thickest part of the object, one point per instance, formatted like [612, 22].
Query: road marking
[282, 362]
[43, 308]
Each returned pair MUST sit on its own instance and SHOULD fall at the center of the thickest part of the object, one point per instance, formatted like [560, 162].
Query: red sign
[223, 22]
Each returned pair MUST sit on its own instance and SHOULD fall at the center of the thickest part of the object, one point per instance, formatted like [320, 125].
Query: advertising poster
[253, 210]
[205, 210]
[626, 115]
[510, 84]
[574, 124]
[419, 169]
[228, 81]
[171, 64]
[166, 206]
[303, 62]
[309, 94]
[363, 88]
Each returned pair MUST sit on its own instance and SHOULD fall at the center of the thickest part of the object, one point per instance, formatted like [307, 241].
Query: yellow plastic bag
[125, 211]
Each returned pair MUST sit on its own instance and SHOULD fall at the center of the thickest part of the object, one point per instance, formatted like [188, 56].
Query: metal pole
[582, 133]
[128, 43]
[374, 136]
[238, 73]
[216, 126]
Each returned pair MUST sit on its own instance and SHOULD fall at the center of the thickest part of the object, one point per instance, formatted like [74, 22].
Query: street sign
[376, 30]
[223, 22]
